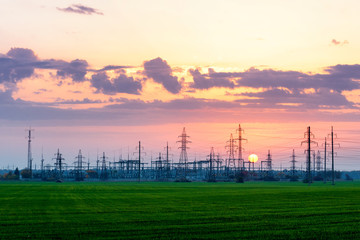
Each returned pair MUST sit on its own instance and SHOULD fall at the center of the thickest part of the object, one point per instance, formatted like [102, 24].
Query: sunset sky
[102, 75]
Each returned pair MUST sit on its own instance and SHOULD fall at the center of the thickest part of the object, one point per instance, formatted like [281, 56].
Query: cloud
[120, 84]
[338, 43]
[84, 101]
[75, 69]
[204, 81]
[337, 78]
[161, 72]
[20, 63]
[17, 64]
[111, 67]
[322, 98]
[80, 9]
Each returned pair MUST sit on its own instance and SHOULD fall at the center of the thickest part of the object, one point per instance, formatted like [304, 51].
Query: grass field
[179, 210]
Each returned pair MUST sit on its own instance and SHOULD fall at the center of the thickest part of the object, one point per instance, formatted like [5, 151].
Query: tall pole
[29, 163]
[325, 163]
[293, 164]
[139, 160]
[167, 160]
[332, 157]
[240, 139]
[42, 164]
[182, 167]
[309, 156]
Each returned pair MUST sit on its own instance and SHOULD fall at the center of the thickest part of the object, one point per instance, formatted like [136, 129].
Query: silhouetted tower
[182, 167]
[325, 154]
[29, 158]
[42, 165]
[240, 148]
[167, 161]
[88, 164]
[139, 169]
[59, 164]
[332, 155]
[231, 162]
[159, 167]
[211, 177]
[79, 167]
[318, 161]
[308, 135]
[139, 148]
[293, 162]
[97, 163]
[104, 173]
[269, 161]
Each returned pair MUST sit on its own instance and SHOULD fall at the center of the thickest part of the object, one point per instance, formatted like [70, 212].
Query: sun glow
[253, 158]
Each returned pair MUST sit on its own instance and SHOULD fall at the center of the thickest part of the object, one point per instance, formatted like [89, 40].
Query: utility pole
[88, 164]
[97, 162]
[139, 170]
[29, 160]
[167, 161]
[231, 150]
[325, 153]
[308, 134]
[240, 148]
[332, 155]
[182, 167]
[293, 165]
[42, 163]
[103, 174]
[58, 164]
[139, 152]
[211, 177]
[79, 167]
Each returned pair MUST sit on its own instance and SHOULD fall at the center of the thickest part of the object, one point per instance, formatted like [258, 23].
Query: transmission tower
[42, 164]
[79, 167]
[326, 153]
[139, 152]
[29, 158]
[293, 162]
[88, 163]
[58, 165]
[332, 155]
[97, 163]
[104, 173]
[182, 167]
[167, 161]
[211, 177]
[231, 162]
[269, 162]
[240, 139]
[308, 135]
[318, 161]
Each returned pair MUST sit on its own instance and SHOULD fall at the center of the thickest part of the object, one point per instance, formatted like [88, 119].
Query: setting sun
[253, 158]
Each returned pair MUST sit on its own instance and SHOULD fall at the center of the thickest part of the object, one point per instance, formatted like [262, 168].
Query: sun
[253, 158]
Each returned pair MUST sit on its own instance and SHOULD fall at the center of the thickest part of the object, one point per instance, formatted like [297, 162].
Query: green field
[179, 210]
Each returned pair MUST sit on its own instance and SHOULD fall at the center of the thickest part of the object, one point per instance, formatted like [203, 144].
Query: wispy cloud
[80, 9]
[339, 43]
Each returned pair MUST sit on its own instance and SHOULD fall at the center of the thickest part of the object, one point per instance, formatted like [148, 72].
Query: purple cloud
[75, 69]
[17, 64]
[204, 81]
[337, 78]
[320, 99]
[121, 84]
[160, 71]
[80, 9]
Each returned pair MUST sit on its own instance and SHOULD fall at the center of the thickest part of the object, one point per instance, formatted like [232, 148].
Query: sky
[102, 75]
